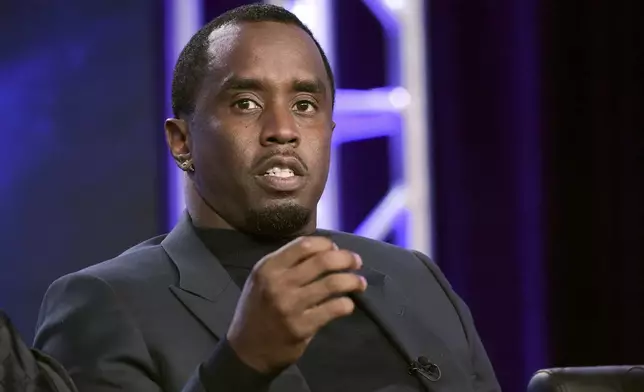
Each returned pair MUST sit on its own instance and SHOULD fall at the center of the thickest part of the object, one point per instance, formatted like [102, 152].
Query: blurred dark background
[81, 87]
[537, 159]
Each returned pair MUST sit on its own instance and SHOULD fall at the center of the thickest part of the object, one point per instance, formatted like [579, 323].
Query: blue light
[182, 19]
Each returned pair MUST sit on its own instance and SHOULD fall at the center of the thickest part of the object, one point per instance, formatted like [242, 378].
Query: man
[245, 294]
[27, 370]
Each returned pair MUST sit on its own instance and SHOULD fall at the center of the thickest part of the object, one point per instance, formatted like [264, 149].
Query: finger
[334, 285]
[322, 263]
[300, 249]
[315, 318]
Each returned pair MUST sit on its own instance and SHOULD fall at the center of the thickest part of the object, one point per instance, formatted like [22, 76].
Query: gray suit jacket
[145, 320]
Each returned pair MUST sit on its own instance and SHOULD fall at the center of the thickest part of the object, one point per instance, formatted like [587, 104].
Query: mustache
[286, 153]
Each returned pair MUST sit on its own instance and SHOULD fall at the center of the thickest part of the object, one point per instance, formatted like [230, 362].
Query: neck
[201, 214]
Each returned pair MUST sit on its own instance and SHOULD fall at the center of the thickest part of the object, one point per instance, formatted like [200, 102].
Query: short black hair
[192, 65]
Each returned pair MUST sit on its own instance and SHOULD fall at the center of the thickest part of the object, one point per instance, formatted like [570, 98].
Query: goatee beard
[279, 221]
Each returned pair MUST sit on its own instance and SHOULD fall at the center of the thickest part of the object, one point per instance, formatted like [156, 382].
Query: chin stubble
[278, 221]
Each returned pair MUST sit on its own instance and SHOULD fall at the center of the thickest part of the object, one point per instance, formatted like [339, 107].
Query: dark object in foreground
[579, 379]
[27, 370]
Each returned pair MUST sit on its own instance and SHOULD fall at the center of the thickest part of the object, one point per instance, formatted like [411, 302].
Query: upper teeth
[280, 172]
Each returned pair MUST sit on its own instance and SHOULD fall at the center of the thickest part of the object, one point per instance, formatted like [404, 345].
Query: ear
[177, 136]
[332, 126]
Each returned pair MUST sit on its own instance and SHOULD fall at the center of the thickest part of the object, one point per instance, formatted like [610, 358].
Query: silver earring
[184, 161]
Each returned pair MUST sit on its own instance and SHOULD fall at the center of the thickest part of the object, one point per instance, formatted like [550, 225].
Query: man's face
[261, 132]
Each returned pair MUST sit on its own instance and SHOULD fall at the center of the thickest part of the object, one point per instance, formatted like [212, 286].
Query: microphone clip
[426, 369]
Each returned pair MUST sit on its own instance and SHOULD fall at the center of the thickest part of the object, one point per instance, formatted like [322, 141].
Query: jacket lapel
[209, 293]
[390, 309]
[397, 316]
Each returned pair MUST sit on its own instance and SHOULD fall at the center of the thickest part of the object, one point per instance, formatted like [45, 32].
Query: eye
[246, 104]
[304, 107]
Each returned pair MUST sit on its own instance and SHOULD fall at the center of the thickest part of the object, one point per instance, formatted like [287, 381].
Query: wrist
[248, 355]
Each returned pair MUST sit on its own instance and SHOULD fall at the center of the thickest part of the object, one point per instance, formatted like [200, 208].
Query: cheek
[320, 153]
[323, 148]
[218, 146]
[221, 165]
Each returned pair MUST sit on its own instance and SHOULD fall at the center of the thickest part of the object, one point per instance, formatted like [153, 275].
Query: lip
[281, 184]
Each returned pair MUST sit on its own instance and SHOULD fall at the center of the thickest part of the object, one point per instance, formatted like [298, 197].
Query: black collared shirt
[349, 354]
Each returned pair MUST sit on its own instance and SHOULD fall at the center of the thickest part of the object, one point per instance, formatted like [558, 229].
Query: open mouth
[280, 179]
[279, 172]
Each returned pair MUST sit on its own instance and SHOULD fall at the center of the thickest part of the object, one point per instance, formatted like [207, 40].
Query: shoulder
[382, 255]
[353, 241]
[115, 289]
[146, 261]
[139, 269]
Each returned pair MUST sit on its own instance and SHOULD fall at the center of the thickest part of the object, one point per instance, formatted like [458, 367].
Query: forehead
[270, 51]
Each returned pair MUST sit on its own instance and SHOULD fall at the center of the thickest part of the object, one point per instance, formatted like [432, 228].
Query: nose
[279, 128]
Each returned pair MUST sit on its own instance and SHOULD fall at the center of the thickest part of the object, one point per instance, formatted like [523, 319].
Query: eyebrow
[235, 83]
[314, 86]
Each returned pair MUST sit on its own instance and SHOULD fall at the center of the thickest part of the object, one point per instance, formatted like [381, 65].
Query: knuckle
[334, 283]
[324, 241]
[348, 258]
[344, 259]
[300, 333]
[342, 306]
[342, 282]
[334, 260]
[304, 242]
[314, 242]
[324, 261]
[297, 330]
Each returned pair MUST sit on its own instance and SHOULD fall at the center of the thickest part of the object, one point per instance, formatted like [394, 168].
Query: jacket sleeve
[85, 327]
[485, 379]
